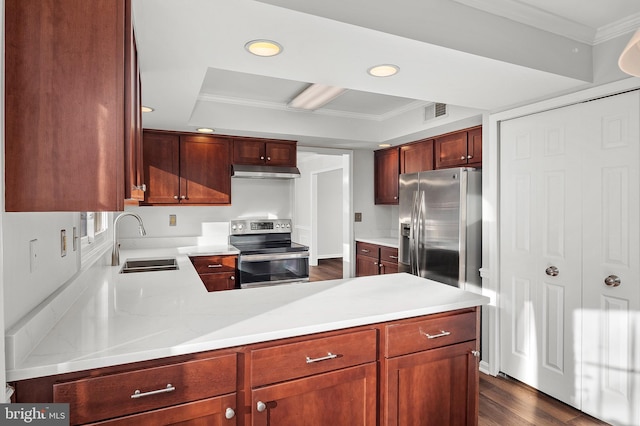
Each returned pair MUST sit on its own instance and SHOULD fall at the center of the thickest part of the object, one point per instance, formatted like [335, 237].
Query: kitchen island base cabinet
[339, 398]
[414, 371]
[208, 412]
[446, 378]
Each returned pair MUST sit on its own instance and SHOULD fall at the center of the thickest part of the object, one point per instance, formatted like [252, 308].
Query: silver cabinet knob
[261, 406]
[469, 157]
[175, 197]
[268, 158]
[232, 277]
[229, 413]
[552, 271]
[262, 157]
[463, 158]
[612, 281]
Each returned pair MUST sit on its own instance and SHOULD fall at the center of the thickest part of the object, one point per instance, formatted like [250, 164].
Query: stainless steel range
[267, 254]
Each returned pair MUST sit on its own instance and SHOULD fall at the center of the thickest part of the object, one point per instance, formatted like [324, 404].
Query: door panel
[540, 228]
[611, 351]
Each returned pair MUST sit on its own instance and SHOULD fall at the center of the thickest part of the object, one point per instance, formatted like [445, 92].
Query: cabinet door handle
[229, 413]
[262, 157]
[175, 197]
[324, 358]
[268, 158]
[232, 278]
[261, 406]
[217, 265]
[469, 157]
[463, 158]
[435, 336]
[138, 394]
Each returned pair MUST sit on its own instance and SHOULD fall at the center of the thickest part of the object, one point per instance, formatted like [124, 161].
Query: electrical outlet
[33, 255]
[172, 220]
[63, 242]
[358, 217]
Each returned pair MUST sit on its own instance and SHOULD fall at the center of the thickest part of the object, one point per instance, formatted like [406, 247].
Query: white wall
[24, 289]
[377, 220]
[250, 198]
[329, 215]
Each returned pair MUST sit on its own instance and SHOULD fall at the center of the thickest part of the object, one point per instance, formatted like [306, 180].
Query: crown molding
[534, 17]
[616, 29]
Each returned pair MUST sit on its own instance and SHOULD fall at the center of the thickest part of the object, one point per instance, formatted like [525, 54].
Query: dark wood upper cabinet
[416, 156]
[459, 149]
[253, 151]
[186, 169]
[69, 112]
[386, 172]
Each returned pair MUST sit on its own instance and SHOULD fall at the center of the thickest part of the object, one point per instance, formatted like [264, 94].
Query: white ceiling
[474, 55]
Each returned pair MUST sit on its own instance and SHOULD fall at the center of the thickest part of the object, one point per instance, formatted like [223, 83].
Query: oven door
[273, 268]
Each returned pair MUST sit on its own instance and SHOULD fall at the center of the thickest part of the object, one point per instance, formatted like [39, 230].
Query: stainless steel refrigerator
[441, 226]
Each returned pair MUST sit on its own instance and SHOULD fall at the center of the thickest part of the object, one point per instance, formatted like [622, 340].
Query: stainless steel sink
[148, 265]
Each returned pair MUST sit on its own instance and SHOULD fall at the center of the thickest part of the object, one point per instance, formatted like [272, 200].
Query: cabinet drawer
[366, 249]
[214, 264]
[217, 282]
[97, 398]
[388, 254]
[288, 361]
[429, 333]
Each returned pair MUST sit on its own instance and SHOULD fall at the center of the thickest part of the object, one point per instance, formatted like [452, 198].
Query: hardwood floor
[327, 269]
[505, 401]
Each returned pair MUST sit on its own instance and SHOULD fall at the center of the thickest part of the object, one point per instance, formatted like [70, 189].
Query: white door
[570, 191]
[540, 246]
[611, 325]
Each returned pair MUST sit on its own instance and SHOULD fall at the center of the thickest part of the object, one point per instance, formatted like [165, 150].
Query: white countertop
[123, 318]
[381, 241]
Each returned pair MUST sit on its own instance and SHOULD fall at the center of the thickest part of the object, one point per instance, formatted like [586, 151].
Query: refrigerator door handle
[420, 223]
[412, 233]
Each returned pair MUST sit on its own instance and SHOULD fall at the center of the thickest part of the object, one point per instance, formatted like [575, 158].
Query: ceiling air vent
[434, 111]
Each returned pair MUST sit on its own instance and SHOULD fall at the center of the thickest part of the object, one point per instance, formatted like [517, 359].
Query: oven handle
[272, 256]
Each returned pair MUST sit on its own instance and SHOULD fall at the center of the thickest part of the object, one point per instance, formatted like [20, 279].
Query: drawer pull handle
[138, 394]
[393, 257]
[364, 250]
[217, 265]
[324, 358]
[435, 336]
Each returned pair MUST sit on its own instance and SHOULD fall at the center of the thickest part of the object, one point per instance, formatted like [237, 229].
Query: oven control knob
[233, 227]
[288, 225]
[240, 227]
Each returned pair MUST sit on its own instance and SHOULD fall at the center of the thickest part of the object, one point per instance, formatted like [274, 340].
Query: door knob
[612, 281]
[552, 271]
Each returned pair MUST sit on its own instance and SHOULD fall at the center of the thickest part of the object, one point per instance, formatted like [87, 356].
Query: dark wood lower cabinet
[339, 398]
[434, 387]
[208, 412]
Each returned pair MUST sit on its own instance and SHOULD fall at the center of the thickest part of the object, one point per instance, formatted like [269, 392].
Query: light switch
[358, 217]
[63, 243]
[33, 255]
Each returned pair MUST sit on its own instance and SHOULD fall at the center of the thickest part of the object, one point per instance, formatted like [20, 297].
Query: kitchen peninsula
[156, 345]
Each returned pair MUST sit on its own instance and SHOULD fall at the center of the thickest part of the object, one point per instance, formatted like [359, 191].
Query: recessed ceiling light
[146, 109]
[263, 47]
[384, 70]
[384, 145]
[204, 130]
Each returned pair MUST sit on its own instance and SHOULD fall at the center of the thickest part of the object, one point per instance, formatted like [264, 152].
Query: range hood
[264, 172]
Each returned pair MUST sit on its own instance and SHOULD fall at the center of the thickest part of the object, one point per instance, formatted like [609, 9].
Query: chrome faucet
[115, 254]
